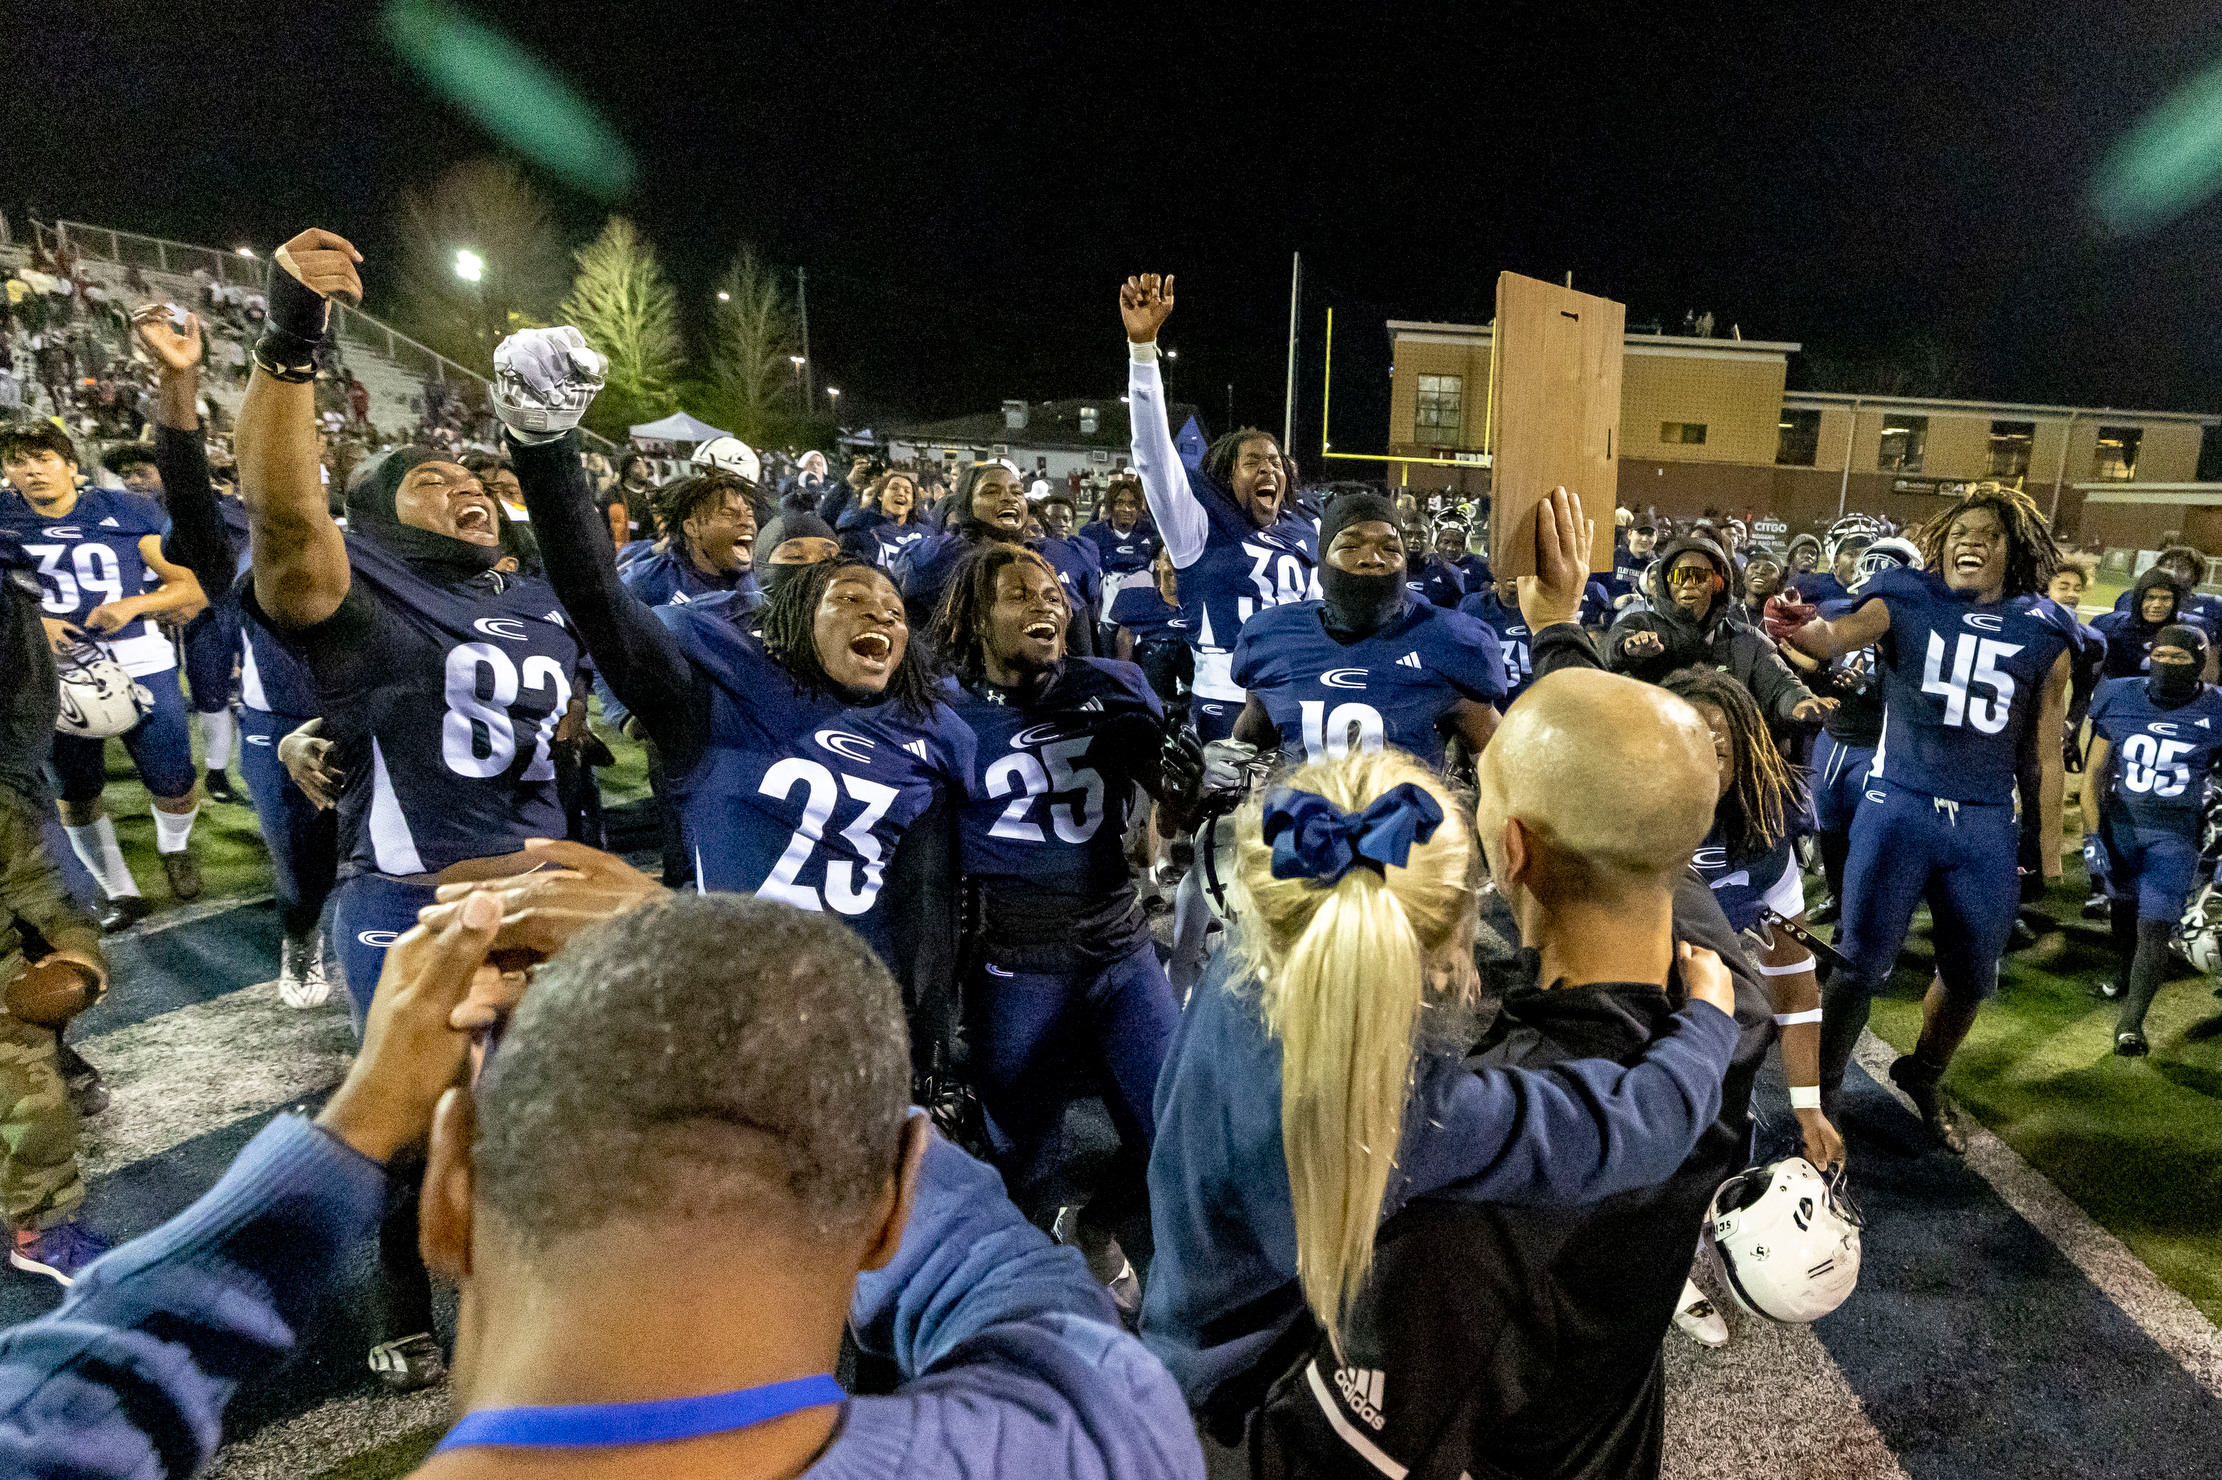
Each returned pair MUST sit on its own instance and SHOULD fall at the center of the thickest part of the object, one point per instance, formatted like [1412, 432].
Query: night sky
[967, 183]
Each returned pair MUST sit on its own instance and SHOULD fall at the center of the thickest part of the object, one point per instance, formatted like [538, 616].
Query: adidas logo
[2206, 724]
[917, 748]
[1361, 1388]
[1095, 706]
[1409, 660]
[556, 617]
[110, 523]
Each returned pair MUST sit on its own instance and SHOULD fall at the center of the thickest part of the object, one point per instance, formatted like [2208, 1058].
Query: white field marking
[2164, 1314]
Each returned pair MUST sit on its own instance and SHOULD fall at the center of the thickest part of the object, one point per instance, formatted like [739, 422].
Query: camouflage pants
[39, 1182]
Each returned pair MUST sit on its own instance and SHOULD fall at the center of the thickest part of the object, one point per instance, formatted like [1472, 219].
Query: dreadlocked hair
[2032, 554]
[675, 503]
[1754, 812]
[788, 628]
[1220, 456]
[960, 628]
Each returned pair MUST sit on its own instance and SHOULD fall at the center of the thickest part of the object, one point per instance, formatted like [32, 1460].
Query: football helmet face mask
[1885, 554]
[98, 697]
[1786, 1240]
[2202, 930]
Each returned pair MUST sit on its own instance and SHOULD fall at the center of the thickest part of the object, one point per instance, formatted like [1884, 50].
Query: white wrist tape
[1141, 354]
[1792, 1019]
[1805, 1097]
[1790, 970]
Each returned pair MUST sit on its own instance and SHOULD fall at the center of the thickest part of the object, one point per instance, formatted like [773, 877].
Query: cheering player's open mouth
[871, 651]
[474, 521]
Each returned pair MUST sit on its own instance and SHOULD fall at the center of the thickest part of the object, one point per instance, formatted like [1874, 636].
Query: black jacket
[1721, 640]
[1495, 1341]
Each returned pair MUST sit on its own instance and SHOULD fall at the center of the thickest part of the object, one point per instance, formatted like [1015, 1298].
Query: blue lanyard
[594, 1425]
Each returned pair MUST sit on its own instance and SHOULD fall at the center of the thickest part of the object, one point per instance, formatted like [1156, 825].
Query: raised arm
[300, 559]
[1824, 638]
[196, 538]
[1144, 303]
[542, 387]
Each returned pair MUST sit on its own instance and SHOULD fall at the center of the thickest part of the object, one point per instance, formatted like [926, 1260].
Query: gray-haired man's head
[705, 1057]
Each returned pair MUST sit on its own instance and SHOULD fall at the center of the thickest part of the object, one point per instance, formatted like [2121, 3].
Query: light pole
[833, 403]
[797, 362]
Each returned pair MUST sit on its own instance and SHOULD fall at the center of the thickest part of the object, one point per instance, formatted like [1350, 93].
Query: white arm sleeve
[1173, 504]
[1787, 897]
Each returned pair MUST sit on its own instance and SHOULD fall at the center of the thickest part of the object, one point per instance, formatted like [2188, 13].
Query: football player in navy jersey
[709, 524]
[1237, 547]
[989, 504]
[2189, 567]
[1063, 960]
[801, 744]
[2154, 742]
[208, 536]
[1370, 664]
[2157, 601]
[1079, 568]
[1747, 862]
[1124, 540]
[443, 678]
[886, 523]
[103, 580]
[1497, 606]
[1967, 668]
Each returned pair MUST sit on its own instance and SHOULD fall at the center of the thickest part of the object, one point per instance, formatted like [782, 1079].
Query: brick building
[1708, 423]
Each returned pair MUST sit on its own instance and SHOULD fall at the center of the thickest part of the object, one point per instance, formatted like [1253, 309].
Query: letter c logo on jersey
[1344, 678]
[380, 939]
[1035, 735]
[1986, 621]
[61, 532]
[2162, 727]
[845, 745]
[1709, 858]
[509, 629]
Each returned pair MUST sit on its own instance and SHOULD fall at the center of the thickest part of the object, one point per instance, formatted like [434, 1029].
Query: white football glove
[1228, 766]
[544, 379]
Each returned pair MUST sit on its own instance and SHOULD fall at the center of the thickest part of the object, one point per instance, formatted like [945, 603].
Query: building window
[1901, 444]
[2117, 452]
[1442, 410]
[2010, 444]
[1688, 433]
[1799, 446]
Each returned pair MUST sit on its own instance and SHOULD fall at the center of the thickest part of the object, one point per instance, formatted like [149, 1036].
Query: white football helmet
[728, 455]
[1888, 553]
[98, 697]
[1786, 1240]
[2201, 930]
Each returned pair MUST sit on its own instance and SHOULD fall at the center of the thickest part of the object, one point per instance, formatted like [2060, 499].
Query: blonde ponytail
[1342, 972]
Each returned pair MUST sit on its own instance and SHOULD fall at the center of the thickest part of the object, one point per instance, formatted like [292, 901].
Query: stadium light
[724, 297]
[469, 266]
[247, 252]
[795, 360]
[833, 393]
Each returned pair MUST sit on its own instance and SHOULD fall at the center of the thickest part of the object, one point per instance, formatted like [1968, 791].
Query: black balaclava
[372, 513]
[2174, 684]
[2146, 582]
[771, 573]
[1358, 606]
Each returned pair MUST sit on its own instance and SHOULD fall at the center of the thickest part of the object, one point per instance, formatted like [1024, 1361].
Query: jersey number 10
[1974, 662]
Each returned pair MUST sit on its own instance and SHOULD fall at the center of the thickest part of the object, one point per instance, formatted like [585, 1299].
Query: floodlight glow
[2167, 164]
[247, 252]
[469, 266]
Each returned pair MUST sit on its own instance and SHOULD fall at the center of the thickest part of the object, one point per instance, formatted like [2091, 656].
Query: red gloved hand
[1785, 614]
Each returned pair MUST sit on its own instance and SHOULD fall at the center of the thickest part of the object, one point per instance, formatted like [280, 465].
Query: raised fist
[1144, 304]
[544, 379]
[324, 263]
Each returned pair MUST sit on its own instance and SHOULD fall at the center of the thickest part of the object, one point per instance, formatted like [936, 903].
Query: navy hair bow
[1314, 839]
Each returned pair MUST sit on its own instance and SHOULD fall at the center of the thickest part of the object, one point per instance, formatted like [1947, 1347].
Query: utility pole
[1230, 406]
[802, 301]
[1288, 396]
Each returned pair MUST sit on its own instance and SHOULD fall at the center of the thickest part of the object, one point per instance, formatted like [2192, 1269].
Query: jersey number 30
[1974, 661]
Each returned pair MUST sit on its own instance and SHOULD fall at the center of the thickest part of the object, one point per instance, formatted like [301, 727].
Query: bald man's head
[1608, 783]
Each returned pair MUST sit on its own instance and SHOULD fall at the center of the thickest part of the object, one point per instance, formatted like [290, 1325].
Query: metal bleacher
[394, 368]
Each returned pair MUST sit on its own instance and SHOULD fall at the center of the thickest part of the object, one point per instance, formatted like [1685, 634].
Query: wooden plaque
[1557, 414]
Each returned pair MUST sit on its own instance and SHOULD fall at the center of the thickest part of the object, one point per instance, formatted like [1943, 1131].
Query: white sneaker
[302, 983]
[1698, 1319]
